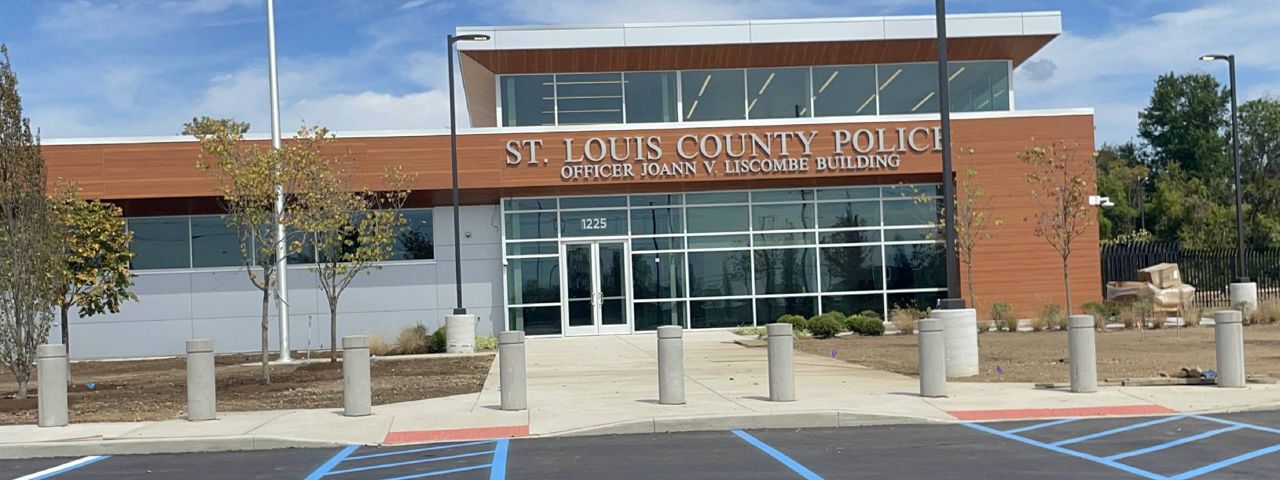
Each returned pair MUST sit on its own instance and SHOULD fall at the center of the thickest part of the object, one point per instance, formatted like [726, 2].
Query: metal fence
[1209, 270]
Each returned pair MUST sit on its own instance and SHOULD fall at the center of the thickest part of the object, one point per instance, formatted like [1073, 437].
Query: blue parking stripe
[1225, 463]
[1180, 441]
[1250, 426]
[1116, 430]
[1042, 425]
[439, 472]
[779, 456]
[1066, 451]
[64, 468]
[332, 462]
[418, 450]
[410, 462]
[499, 470]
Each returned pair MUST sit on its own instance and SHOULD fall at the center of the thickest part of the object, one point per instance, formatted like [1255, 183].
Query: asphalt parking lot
[1178, 447]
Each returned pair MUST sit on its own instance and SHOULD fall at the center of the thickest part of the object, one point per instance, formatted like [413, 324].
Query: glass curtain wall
[735, 258]
[752, 93]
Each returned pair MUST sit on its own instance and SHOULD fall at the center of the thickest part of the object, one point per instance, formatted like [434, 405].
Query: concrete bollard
[1243, 295]
[511, 371]
[1228, 339]
[782, 367]
[460, 333]
[933, 357]
[671, 365]
[357, 395]
[1084, 355]
[51, 370]
[960, 328]
[202, 396]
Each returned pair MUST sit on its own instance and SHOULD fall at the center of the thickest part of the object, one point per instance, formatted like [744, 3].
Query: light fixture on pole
[282, 272]
[453, 155]
[1242, 276]
[953, 299]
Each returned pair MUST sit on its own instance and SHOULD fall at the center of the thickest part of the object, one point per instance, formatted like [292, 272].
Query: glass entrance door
[595, 290]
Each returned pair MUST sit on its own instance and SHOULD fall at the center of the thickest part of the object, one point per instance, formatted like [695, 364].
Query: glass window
[531, 204]
[908, 88]
[856, 193]
[782, 196]
[706, 198]
[531, 225]
[784, 239]
[979, 86]
[917, 300]
[535, 320]
[593, 202]
[214, 243]
[849, 269]
[526, 100]
[854, 304]
[769, 309]
[848, 214]
[306, 253]
[414, 240]
[842, 91]
[789, 270]
[786, 216]
[713, 94]
[657, 221]
[720, 313]
[651, 315]
[910, 212]
[719, 274]
[533, 280]
[720, 241]
[591, 223]
[658, 275]
[583, 98]
[778, 93]
[920, 265]
[532, 248]
[717, 219]
[651, 96]
[849, 236]
[912, 234]
[160, 243]
[651, 200]
[657, 243]
[912, 191]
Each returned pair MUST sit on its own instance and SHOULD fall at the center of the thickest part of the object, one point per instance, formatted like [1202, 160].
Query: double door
[595, 287]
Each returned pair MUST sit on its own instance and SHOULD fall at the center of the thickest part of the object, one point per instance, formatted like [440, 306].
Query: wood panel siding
[1014, 266]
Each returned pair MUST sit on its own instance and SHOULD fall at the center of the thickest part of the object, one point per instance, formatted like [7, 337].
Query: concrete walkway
[608, 384]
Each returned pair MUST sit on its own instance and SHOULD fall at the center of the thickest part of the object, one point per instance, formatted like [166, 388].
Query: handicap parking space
[687, 455]
[1178, 447]
[482, 459]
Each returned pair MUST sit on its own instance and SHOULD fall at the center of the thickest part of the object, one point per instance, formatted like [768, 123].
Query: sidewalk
[605, 385]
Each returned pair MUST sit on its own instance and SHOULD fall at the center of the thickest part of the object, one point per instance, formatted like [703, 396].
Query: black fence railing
[1209, 270]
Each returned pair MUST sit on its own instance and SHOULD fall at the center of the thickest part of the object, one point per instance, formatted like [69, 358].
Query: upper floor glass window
[737, 94]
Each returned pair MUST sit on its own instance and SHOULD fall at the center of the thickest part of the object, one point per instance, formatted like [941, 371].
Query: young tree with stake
[1060, 189]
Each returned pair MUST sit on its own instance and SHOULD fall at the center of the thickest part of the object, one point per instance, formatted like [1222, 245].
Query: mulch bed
[155, 389]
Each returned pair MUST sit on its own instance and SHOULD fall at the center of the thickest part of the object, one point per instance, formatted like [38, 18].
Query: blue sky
[98, 68]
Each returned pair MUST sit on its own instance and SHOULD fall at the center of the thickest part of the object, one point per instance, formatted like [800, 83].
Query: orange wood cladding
[756, 55]
[1013, 266]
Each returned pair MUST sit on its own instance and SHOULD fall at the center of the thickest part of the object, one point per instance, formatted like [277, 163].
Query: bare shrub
[1268, 312]
[1050, 317]
[1002, 314]
[379, 347]
[904, 319]
[412, 340]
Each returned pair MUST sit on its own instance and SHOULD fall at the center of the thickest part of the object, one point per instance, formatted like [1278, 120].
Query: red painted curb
[481, 433]
[1028, 413]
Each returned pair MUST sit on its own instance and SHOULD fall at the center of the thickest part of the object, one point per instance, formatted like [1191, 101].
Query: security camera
[1100, 201]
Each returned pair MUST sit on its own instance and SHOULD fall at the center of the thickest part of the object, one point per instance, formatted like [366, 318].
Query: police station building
[620, 177]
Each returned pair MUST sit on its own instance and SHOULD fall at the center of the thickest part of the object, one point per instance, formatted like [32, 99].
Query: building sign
[783, 152]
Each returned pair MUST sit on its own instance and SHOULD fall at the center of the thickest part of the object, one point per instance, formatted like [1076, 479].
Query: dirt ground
[1041, 356]
[141, 390]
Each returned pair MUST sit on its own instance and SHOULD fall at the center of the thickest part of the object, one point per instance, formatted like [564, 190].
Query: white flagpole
[282, 271]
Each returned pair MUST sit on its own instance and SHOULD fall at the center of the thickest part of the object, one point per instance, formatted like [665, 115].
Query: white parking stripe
[66, 467]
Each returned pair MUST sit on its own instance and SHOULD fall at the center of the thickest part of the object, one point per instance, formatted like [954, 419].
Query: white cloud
[129, 19]
[376, 111]
[614, 11]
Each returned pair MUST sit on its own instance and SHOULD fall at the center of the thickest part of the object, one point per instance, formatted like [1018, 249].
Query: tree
[27, 257]
[1260, 167]
[248, 174]
[1059, 187]
[94, 248]
[1122, 178]
[352, 231]
[1191, 211]
[973, 224]
[1184, 124]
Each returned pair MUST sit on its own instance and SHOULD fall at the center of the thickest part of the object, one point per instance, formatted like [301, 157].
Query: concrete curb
[814, 419]
[158, 445]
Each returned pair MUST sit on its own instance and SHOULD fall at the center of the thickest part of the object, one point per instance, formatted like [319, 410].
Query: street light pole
[1242, 275]
[282, 262]
[453, 156]
[954, 300]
